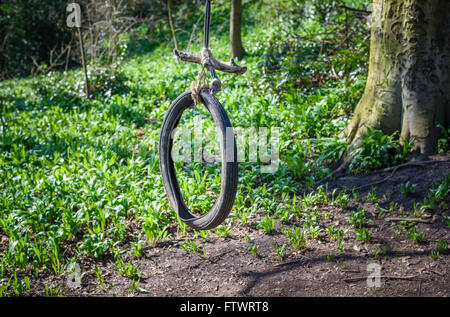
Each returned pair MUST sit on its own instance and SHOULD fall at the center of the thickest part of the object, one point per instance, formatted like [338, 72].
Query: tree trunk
[83, 62]
[237, 50]
[172, 28]
[408, 85]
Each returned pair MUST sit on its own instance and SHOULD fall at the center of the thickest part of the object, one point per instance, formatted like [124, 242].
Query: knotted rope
[200, 84]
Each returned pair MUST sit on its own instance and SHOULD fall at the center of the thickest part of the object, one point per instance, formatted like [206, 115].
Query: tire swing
[205, 94]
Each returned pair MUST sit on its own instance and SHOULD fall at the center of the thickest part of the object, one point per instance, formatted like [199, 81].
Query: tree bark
[237, 50]
[408, 84]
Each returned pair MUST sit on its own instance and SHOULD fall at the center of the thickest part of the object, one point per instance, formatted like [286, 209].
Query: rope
[207, 23]
[200, 84]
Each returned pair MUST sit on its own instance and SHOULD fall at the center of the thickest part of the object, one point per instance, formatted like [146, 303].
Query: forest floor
[226, 266]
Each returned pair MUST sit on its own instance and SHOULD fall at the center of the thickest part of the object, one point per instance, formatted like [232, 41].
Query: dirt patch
[220, 266]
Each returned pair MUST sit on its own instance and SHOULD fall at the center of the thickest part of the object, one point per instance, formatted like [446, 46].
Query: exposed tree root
[394, 169]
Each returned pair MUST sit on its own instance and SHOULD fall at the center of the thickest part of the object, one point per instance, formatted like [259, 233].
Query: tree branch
[354, 9]
[230, 67]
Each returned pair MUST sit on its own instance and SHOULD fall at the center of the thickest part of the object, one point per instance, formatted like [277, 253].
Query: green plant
[443, 142]
[224, 230]
[100, 278]
[244, 216]
[280, 250]
[417, 211]
[311, 217]
[372, 196]
[441, 188]
[397, 232]
[17, 286]
[297, 237]
[152, 229]
[136, 248]
[286, 216]
[380, 251]
[355, 195]
[191, 246]
[181, 230]
[331, 149]
[314, 232]
[254, 250]
[27, 283]
[4, 287]
[52, 292]
[358, 218]
[341, 245]
[442, 246]
[327, 215]
[415, 236]
[393, 207]
[204, 234]
[408, 189]
[377, 150]
[363, 234]
[134, 285]
[267, 224]
[447, 219]
[336, 234]
[127, 270]
[434, 255]
[54, 256]
[332, 232]
[439, 191]
[341, 200]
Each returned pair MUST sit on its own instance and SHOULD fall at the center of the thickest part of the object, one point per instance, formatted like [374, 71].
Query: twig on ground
[435, 272]
[387, 277]
[351, 271]
[408, 219]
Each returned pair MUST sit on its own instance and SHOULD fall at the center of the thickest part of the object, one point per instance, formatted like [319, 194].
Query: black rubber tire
[229, 181]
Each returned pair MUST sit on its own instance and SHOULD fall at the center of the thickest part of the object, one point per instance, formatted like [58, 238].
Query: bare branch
[354, 9]
[227, 67]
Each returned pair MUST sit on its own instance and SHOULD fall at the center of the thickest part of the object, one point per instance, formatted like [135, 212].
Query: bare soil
[230, 269]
